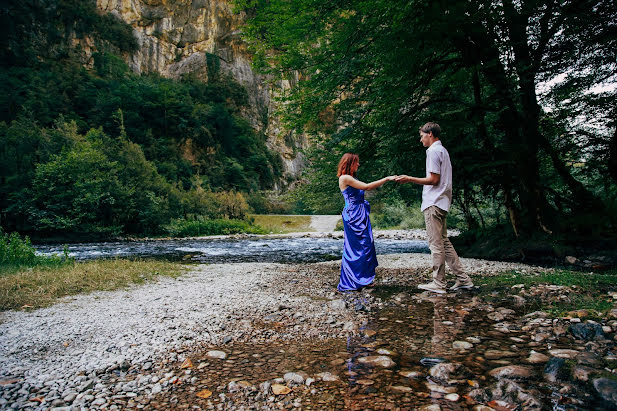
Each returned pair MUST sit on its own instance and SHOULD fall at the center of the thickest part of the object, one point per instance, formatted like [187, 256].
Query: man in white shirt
[436, 200]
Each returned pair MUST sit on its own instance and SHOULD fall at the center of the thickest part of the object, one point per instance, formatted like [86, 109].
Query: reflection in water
[408, 330]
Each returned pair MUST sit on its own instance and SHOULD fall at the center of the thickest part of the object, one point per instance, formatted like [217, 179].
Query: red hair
[348, 165]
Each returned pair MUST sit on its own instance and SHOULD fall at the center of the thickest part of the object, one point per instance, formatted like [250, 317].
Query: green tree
[372, 72]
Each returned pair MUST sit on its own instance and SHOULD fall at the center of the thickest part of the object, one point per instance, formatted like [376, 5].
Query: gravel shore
[59, 353]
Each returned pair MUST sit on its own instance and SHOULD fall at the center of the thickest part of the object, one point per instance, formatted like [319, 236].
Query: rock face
[203, 38]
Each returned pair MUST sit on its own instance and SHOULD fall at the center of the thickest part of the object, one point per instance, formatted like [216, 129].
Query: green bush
[16, 251]
[261, 203]
[201, 226]
[398, 215]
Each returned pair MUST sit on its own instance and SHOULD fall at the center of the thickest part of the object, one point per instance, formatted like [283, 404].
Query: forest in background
[524, 92]
[102, 152]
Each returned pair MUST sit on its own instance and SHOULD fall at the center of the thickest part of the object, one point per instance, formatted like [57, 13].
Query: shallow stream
[231, 250]
[415, 331]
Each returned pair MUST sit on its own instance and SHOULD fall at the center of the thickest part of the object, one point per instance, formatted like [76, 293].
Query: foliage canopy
[514, 85]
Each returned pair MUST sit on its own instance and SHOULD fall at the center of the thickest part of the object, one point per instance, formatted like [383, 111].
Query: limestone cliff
[177, 37]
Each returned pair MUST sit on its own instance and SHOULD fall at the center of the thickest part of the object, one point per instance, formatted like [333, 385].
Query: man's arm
[432, 180]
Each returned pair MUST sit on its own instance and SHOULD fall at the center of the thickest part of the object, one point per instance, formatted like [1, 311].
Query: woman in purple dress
[359, 257]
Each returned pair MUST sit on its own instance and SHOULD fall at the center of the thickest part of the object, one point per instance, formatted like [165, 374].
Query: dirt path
[324, 223]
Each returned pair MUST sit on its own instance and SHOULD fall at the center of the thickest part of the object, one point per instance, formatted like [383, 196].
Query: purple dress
[359, 257]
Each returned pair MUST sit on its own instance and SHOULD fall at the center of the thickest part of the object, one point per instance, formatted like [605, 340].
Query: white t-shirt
[438, 162]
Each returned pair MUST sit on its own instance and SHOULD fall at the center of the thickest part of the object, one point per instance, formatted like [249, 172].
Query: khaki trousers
[442, 250]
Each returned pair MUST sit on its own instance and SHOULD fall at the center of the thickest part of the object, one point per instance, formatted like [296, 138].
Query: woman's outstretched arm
[346, 180]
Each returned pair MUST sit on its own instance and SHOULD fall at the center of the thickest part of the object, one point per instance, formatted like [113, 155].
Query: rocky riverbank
[277, 336]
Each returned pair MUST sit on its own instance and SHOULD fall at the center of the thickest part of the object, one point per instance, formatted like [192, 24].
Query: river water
[224, 250]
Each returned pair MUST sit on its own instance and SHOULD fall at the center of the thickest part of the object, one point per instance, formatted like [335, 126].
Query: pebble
[377, 360]
[515, 372]
[461, 345]
[221, 355]
[537, 358]
[564, 353]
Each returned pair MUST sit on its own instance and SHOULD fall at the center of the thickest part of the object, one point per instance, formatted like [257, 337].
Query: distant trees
[508, 81]
[106, 151]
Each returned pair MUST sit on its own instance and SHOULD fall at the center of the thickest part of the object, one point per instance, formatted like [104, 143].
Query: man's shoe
[458, 285]
[432, 287]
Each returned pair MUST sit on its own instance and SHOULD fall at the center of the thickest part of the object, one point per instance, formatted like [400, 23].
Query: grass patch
[282, 224]
[40, 286]
[590, 290]
[202, 227]
[17, 253]
[558, 277]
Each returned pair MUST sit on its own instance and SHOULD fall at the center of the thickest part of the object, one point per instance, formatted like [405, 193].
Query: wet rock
[479, 395]
[555, 369]
[510, 395]
[586, 331]
[440, 388]
[279, 389]
[430, 361]
[401, 388]
[537, 358]
[221, 355]
[497, 354]
[294, 378]
[589, 358]
[461, 345]
[411, 374]
[441, 372]
[328, 377]
[607, 389]
[582, 373]
[518, 300]
[514, 372]
[401, 297]
[567, 354]
[496, 316]
[452, 397]
[377, 360]
[385, 351]
[369, 333]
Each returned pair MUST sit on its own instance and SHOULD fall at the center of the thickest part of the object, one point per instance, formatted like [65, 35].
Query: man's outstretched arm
[432, 180]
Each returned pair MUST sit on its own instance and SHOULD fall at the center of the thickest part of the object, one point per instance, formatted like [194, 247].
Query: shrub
[200, 226]
[398, 215]
[16, 251]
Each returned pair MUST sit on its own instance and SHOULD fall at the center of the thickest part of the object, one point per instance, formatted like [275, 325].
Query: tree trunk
[612, 156]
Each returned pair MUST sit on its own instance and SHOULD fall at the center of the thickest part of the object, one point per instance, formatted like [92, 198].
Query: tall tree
[373, 71]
